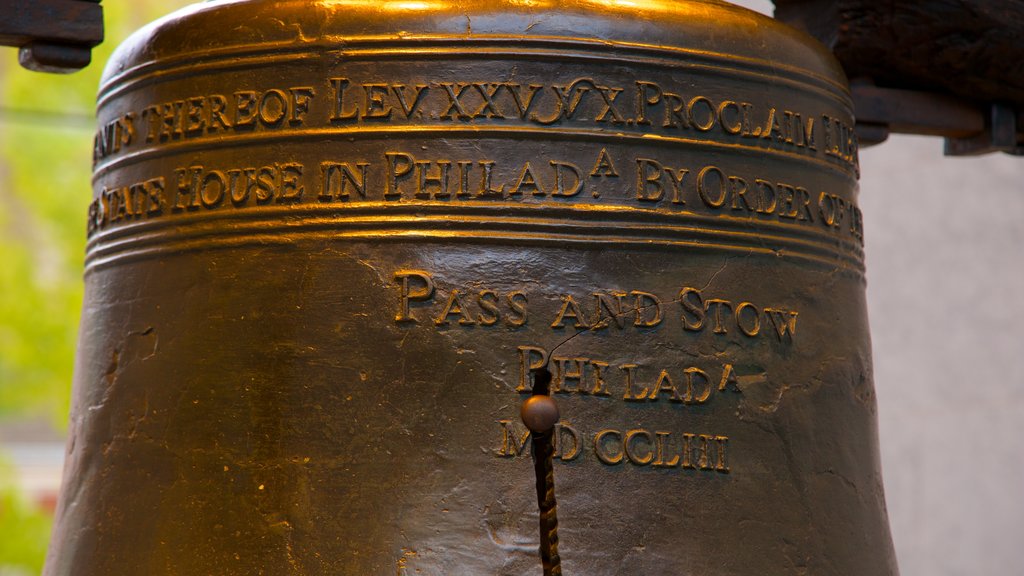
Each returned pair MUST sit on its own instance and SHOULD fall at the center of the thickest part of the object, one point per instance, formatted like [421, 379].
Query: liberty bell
[337, 247]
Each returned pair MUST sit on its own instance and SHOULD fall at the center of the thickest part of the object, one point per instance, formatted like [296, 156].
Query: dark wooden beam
[970, 48]
[60, 21]
[53, 35]
[951, 68]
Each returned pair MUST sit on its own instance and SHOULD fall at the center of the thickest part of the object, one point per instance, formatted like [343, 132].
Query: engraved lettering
[639, 453]
[114, 135]
[187, 192]
[572, 95]
[214, 186]
[568, 442]
[512, 442]
[487, 300]
[606, 450]
[752, 325]
[376, 107]
[648, 175]
[694, 377]
[455, 93]
[711, 187]
[299, 98]
[784, 322]
[246, 109]
[454, 306]
[648, 309]
[139, 200]
[340, 112]
[609, 95]
[517, 304]
[698, 310]
[488, 109]
[662, 449]
[432, 179]
[608, 310]
[400, 165]
[693, 305]
[523, 103]
[570, 309]
[415, 286]
[731, 117]
[629, 370]
[339, 177]
[718, 305]
[409, 109]
[273, 107]
[701, 117]
[567, 380]
[648, 94]
[530, 358]
[649, 185]
[660, 461]
[729, 379]
[665, 384]
[568, 179]
[527, 182]
[604, 167]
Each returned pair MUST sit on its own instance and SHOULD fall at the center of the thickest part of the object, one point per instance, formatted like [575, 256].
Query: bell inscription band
[332, 243]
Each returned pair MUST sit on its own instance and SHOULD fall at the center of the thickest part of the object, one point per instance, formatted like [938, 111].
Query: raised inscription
[635, 447]
[657, 383]
[642, 106]
[243, 110]
[588, 376]
[400, 177]
[421, 299]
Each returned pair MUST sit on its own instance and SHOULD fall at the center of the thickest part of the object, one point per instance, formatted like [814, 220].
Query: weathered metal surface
[329, 240]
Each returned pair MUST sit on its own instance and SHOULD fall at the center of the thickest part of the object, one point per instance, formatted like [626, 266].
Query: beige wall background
[945, 250]
[945, 257]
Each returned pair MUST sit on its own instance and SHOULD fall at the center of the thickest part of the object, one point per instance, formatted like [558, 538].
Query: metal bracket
[969, 128]
[1002, 134]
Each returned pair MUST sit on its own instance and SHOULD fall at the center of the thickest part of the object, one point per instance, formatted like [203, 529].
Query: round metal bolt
[539, 413]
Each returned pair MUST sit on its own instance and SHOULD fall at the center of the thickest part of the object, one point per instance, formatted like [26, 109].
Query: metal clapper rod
[540, 414]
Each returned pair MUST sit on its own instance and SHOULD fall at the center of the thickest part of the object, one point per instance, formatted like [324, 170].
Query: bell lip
[216, 26]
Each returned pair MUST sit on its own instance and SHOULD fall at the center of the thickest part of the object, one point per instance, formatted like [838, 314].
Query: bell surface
[333, 242]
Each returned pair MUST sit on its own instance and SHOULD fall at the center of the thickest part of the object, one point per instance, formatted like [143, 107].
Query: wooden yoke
[944, 67]
[53, 35]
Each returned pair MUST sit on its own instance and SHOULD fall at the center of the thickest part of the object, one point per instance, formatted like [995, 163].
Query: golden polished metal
[332, 243]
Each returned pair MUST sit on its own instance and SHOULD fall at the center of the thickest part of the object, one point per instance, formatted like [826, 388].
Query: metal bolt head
[539, 413]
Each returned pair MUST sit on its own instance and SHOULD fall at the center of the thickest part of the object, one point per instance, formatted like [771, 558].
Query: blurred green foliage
[46, 136]
[45, 157]
[24, 530]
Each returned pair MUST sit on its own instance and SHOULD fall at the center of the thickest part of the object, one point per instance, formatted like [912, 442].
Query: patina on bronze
[331, 241]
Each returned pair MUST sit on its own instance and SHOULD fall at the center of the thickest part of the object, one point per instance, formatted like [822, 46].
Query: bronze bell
[333, 244]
